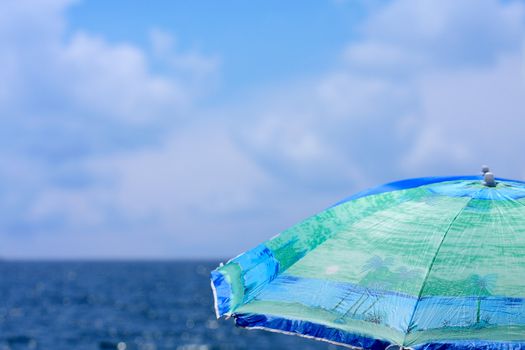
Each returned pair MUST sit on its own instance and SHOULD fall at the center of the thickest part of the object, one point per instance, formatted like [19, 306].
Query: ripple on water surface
[121, 306]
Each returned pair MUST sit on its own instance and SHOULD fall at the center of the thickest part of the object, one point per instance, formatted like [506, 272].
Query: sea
[121, 305]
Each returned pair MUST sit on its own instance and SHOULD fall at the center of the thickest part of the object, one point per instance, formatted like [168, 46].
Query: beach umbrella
[427, 263]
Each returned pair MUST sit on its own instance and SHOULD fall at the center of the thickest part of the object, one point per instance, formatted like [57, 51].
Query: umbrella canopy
[428, 263]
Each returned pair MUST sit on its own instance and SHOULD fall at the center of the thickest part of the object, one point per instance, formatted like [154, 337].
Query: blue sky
[197, 129]
[257, 43]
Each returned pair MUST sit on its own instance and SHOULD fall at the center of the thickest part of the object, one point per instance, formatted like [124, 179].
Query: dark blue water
[120, 305]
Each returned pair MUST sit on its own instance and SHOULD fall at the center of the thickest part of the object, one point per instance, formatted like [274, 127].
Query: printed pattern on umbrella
[430, 263]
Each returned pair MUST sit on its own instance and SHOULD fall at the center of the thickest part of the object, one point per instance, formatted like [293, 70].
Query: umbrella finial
[484, 169]
[489, 179]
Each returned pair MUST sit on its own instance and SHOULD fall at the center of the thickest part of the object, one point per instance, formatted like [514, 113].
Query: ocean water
[123, 306]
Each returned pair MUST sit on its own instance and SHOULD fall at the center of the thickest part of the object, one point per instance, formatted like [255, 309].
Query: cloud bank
[104, 155]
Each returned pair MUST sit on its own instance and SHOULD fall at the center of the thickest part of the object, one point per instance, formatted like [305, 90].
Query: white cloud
[114, 81]
[184, 197]
[200, 169]
[385, 57]
[449, 32]
[67, 98]
[428, 88]
[165, 49]
[48, 72]
[472, 117]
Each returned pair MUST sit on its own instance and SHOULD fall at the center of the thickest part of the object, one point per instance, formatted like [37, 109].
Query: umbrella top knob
[484, 169]
[489, 179]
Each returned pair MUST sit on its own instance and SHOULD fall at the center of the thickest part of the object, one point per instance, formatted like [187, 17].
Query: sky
[198, 129]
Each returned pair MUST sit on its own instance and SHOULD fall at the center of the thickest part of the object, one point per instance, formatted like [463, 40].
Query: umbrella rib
[432, 265]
